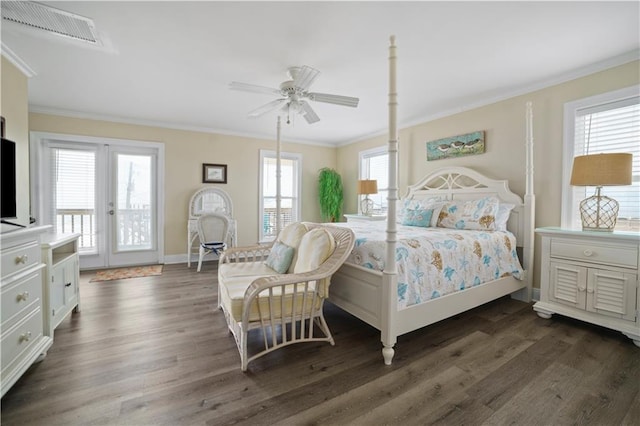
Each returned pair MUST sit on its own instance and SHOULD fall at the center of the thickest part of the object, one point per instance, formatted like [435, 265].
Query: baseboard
[182, 258]
[536, 294]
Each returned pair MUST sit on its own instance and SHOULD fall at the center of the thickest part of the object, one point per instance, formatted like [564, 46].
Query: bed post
[390, 277]
[529, 208]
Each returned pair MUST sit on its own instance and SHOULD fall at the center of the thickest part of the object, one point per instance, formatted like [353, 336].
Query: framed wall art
[456, 146]
[214, 173]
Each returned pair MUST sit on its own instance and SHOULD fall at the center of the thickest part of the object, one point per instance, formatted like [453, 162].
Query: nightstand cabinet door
[568, 284]
[612, 293]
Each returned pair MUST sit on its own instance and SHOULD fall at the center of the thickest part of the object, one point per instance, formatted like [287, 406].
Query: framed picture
[456, 146]
[214, 173]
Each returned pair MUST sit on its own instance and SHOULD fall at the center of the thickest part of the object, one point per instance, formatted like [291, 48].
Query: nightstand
[591, 276]
[363, 218]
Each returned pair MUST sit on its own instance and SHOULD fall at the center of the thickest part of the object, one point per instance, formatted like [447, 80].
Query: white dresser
[23, 338]
[591, 276]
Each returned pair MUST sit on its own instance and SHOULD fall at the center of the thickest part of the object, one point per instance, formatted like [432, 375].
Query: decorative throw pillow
[407, 205]
[502, 217]
[280, 257]
[418, 218]
[477, 214]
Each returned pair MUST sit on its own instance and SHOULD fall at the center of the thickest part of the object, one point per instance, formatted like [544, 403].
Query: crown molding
[594, 68]
[163, 124]
[17, 61]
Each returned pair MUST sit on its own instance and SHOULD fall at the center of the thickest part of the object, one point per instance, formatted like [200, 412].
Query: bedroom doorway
[107, 191]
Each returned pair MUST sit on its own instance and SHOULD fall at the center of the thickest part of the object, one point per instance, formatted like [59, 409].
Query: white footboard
[358, 291]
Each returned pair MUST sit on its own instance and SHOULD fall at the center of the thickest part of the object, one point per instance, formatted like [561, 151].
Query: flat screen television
[8, 177]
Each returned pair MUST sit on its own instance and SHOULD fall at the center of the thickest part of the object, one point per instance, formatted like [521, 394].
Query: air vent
[47, 18]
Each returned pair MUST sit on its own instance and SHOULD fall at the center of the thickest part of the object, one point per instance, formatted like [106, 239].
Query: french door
[109, 193]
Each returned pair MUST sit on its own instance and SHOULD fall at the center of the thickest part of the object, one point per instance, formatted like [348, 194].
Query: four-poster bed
[372, 295]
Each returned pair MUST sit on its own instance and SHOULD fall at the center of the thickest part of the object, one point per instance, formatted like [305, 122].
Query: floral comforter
[433, 262]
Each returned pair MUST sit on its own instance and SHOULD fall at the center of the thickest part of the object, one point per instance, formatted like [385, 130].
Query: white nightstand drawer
[588, 251]
[20, 338]
[20, 257]
[17, 296]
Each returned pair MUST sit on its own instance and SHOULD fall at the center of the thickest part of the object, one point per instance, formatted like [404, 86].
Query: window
[605, 123]
[374, 165]
[290, 184]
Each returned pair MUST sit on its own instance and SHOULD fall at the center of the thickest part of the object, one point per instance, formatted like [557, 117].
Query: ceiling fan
[293, 95]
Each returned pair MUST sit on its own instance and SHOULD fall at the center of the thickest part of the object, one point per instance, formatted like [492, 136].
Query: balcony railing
[134, 227]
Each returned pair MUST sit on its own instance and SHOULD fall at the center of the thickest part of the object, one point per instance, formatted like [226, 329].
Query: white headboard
[462, 183]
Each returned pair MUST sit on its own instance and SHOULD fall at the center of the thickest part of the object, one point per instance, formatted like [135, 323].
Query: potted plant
[330, 193]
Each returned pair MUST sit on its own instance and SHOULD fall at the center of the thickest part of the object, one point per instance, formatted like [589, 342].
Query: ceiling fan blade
[273, 105]
[334, 99]
[308, 113]
[246, 87]
[305, 76]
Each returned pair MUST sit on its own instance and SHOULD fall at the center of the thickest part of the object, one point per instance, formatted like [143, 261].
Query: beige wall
[504, 126]
[14, 107]
[185, 151]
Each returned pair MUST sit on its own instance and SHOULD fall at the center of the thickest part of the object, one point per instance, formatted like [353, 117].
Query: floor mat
[123, 273]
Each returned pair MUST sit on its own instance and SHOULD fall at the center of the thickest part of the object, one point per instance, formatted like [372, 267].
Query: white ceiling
[170, 63]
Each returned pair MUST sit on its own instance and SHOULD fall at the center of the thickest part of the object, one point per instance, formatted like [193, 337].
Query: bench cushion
[244, 269]
[232, 292]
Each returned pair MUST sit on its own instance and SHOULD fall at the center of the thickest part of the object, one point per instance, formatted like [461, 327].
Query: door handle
[111, 212]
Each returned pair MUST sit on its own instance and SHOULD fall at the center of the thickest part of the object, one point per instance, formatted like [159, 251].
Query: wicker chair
[213, 232]
[287, 307]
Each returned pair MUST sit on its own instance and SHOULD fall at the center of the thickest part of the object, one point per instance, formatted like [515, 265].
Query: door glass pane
[74, 198]
[134, 219]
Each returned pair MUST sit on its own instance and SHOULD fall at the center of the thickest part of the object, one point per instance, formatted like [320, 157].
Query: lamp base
[599, 213]
[367, 206]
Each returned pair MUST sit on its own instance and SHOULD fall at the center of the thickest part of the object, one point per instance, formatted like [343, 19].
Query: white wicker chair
[287, 308]
[213, 232]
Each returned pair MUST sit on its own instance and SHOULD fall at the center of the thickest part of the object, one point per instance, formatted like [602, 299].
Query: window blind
[73, 174]
[608, 128]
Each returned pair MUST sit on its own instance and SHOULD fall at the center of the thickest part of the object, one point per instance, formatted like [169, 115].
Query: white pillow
[502, 217]
[291, 235]
[316, 246]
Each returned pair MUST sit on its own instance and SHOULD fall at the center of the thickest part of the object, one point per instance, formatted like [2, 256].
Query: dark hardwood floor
[150, 351]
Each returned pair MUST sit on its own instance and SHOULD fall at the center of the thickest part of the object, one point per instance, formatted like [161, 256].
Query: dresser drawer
[20, 294]
[20, 258]
[587, 251]
[20, 338]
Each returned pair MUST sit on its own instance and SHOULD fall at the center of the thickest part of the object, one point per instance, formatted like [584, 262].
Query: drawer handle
[588, 253]
[22, 259]
[25, 337]
[22, 296]
[68, 284]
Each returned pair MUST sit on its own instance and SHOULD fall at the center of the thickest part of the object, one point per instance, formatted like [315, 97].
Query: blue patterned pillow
[280, 257]
[477, 214]
[417, 218]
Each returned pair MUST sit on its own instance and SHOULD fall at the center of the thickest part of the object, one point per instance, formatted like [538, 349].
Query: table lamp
[366, 187]
[599, 212]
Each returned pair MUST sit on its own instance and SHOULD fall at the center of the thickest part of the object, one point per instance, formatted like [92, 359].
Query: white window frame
[296, 199]
[364, 173]
[569, 215]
